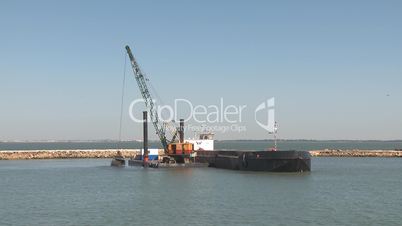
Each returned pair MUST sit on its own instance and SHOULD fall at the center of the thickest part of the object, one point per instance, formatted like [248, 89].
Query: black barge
[270, 161]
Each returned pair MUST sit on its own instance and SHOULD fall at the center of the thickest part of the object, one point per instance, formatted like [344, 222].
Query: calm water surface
[339, 191]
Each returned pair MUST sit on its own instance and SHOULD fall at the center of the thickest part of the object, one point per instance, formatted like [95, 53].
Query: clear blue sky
[334, 67]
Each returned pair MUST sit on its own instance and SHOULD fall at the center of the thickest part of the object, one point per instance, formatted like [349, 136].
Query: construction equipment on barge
[176, 151]
[182, 153]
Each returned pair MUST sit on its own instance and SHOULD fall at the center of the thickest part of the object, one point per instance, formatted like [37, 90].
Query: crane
[149, 103]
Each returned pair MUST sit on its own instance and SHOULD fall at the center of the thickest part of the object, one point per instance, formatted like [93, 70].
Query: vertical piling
[181, 131]
[145, 155]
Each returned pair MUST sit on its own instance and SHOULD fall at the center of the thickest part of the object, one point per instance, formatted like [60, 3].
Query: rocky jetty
[67, 154]
[129, 153]
[356, 153]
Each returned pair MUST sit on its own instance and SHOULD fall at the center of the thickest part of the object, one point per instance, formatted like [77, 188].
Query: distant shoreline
[129, 153]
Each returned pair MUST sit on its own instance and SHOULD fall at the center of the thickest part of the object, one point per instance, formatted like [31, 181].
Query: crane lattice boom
[160, 129]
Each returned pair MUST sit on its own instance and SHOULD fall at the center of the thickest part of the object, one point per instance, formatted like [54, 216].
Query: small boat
[118, 162]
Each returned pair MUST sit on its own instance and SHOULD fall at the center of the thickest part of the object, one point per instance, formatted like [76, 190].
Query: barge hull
[270, 161]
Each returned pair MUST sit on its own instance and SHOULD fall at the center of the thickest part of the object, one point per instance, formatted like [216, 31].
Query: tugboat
[205, 142]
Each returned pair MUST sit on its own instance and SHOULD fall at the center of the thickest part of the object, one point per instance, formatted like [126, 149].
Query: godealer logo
[198, 113]
[211, 114]
[269, 107]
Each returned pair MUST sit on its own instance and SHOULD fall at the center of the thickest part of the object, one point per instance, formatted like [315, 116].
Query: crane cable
[169, 125]
[122, 99]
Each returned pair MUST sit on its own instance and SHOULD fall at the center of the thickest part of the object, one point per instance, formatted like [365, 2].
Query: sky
[333, 67]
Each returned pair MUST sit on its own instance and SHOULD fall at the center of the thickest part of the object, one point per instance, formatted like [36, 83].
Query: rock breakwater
[66, 154]
[356, 153]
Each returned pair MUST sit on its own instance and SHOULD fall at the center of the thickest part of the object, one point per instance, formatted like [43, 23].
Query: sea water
[338, 191]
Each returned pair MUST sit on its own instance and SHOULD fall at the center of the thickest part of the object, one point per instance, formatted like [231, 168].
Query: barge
[205, 156]
[187, 152]
[270, 161]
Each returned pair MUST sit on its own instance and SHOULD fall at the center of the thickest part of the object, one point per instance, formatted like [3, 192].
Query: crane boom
[159, 128]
